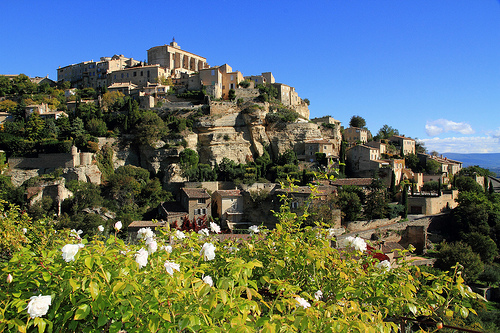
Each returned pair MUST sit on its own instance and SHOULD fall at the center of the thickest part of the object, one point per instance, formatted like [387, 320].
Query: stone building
[430, 205]
[324, 146]
[196, 201]
[228, 206]
[264, 78]
[93, 74]
[364, 158]
[407, 145]
[176, 60]
[139, 75]
[355, 135]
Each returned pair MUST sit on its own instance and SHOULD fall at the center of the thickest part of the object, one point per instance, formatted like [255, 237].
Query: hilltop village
[219, 143]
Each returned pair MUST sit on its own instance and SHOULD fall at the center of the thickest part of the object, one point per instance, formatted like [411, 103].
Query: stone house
[354, 135]
[196, 201]
[211, 79]
[287, 95]
[138, 75]
[362, 158]
[405, 143]
[448, 167]
[228, 206]
[93, 74]
[324, 146]
[382, 147]
[264, 78]
[430, 205]
[126, 88]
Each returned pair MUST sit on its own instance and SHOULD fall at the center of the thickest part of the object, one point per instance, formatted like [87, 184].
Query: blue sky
[429, 68]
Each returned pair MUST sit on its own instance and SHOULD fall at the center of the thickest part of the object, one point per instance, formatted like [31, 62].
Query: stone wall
[223, 107]
[42, 161]
[355, 226]
[430, 205]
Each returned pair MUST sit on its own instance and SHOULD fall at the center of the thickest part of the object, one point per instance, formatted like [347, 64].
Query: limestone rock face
[292, 136]
[88, 173]
[157, 160]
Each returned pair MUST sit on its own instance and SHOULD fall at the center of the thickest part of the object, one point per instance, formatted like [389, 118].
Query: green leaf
[89, 261]
[41, 324]
[115, 327]
[127, 314]
[73, 284]
[412, 308]
[103, 319]
[82, 312]
[94, 289]
[153, 324]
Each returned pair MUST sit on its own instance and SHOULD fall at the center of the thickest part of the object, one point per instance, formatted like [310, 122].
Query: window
[202, 200]
[213, 72]
[232, 77]
[135, 73]
[141, 73]
[295, 204]
[122, 75]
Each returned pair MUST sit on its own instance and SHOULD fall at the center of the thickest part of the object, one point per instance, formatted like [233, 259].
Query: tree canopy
[357, 121]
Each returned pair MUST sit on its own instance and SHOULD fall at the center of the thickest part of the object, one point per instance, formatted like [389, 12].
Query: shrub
[285, 279]
[244, 84]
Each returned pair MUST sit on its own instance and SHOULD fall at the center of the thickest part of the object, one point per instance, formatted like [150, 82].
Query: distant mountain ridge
[489, 161]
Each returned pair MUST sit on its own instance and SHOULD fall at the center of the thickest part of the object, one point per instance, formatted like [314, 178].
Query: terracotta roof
[195, 193]
[321, 190]
[322, 141]
[353, 181]
[401, 137]
[229, 193]
[144, 224]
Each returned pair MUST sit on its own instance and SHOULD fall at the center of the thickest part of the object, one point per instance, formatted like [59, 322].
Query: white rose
[25, 230]
[357, 243]
[9, 278]
[204, 232]
[69, 251]
[118, 225]
[145, 233]
[171, 266]
[208, 251]
[318, 295]
[208, 280]
[179, 234]
[152, 245]
[76, 234]
[214, 227]
[100, 228]
[141, 257]
[167, 248]
[302, 302]
[385, 265]
[39, 305]
[254, 229]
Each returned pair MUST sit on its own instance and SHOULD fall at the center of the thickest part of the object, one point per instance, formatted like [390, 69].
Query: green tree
[231, 95]
[34, 127]
[150, 129]
[412, 162]
[188, 158]
[464, 183]
[385, 132]
[97, 127]
[482, 245]
[459, 252]
[357, 121]
[432, 167]
[349, 205]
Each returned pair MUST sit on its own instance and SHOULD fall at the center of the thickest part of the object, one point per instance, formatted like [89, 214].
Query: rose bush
[287, 279]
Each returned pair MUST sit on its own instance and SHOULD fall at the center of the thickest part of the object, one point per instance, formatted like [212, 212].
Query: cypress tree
[405, 201]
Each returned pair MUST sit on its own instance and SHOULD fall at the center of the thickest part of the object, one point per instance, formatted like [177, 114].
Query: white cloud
[436, 127]
[465, 145]
[495, 134]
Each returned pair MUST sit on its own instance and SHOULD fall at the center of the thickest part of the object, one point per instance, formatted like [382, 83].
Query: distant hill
[487, 161]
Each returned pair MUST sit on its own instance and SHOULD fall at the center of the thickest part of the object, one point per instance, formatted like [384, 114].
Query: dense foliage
[287, 279]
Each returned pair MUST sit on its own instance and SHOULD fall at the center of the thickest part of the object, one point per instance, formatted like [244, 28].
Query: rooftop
[195, 193]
